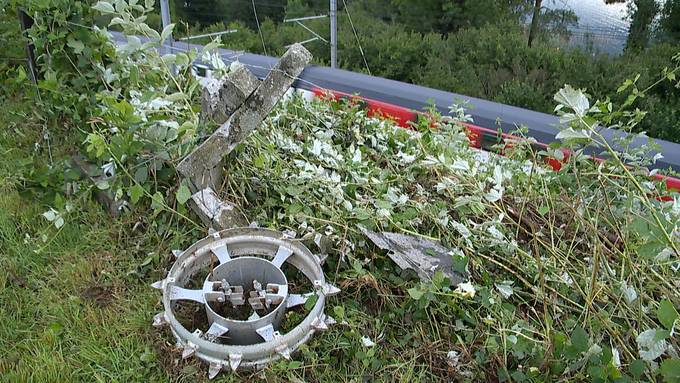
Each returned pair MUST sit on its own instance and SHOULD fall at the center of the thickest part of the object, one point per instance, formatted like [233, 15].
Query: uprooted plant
[573, 272]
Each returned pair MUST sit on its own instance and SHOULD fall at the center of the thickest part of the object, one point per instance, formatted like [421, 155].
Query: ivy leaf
[579, 339]
[637, 368]
[670, 369]
[135, 193]
[104, 7]
[666, 314]
[77, 45]
[183, 193]
[141, 174]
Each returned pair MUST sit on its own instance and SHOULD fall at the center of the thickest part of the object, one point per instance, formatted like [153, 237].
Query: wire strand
[259, 30]
[356, 36]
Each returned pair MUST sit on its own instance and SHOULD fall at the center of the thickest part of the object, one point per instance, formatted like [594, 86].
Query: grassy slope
[76, 303]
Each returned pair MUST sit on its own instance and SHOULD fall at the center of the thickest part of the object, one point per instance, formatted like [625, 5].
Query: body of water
[600, 25]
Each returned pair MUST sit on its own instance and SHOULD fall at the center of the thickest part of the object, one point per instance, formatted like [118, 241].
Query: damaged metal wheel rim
[260, 249]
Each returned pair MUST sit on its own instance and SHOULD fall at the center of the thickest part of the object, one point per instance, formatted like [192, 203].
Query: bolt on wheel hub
[245, 295]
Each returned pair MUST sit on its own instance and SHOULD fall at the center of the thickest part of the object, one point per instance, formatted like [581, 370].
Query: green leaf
[167, 31]
[666, 314]
[168, 59]
[670, 369]
[624, 86]
[77, 45]
[147, 356]
[311, 301]
[575, 99]
[415, 292]
[103, 185]
[339, 312]
[104, 7]
[141, 174]
[135, 193]
[183, 193]
[157, 201]
[571, 134]
[637, 368]
[579, 339]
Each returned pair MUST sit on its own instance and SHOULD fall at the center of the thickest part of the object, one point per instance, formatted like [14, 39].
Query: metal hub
[245, 296]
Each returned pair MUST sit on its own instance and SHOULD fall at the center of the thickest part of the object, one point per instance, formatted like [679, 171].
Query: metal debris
[249, 260]
[421, 255]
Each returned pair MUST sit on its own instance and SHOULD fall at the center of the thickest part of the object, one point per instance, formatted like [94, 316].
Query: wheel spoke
[215, 331]
[297, 299]
[222, 253]
[177, 293]
[266, 332]
[281, 255]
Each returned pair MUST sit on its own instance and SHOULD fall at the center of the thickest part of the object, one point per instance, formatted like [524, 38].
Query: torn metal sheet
[421, 255]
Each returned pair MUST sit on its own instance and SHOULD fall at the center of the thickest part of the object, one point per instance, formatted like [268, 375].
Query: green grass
[76, 303]
[70, 311]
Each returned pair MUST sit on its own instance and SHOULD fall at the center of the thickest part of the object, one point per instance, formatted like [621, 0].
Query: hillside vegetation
[570, 275]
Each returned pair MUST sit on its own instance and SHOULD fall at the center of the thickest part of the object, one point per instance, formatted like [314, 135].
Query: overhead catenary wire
[356, 36]
[259, 30]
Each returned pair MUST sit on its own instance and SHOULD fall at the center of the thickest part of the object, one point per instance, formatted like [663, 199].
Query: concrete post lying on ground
[240, 102]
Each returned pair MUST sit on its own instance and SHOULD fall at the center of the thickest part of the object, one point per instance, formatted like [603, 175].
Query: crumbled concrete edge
[421, 255]
[216, 213]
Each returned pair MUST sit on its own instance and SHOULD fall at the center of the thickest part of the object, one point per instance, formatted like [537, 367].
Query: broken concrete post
[210, 101]
[421, 255]
[238, 85]
[247, 103]
[216, 213]
[221, 97]
[249, 116]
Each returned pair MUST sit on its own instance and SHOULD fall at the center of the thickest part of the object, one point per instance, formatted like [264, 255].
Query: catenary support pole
[165, 19]
[334, 33]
